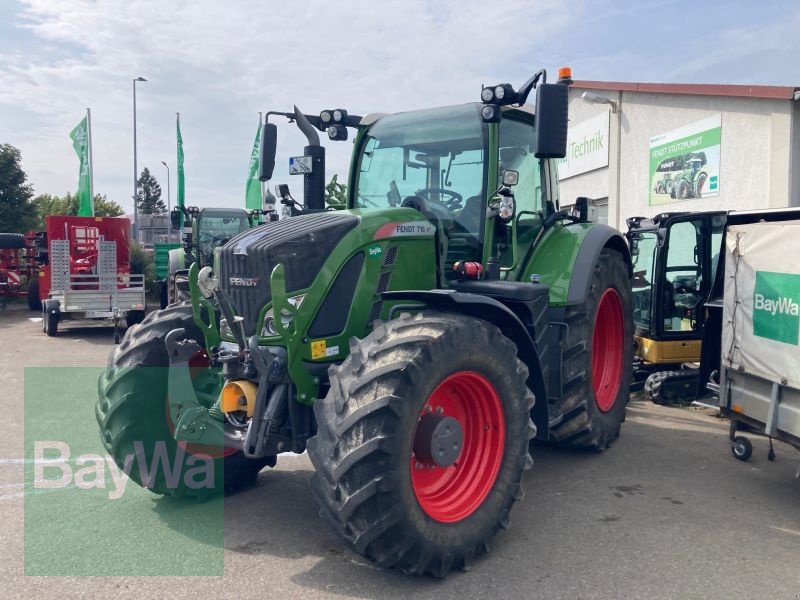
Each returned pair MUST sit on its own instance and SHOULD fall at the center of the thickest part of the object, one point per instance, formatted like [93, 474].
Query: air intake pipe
[314, 182]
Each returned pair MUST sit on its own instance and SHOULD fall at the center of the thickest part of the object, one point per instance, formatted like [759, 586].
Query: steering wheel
[454, 202]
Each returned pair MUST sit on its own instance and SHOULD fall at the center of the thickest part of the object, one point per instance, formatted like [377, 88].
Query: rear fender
[596, 240]
[495, 312]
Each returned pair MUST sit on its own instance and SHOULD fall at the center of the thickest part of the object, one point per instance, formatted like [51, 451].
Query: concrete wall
[759, 156]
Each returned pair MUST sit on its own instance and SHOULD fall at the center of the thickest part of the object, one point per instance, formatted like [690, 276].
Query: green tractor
[204, 232]
[414, 343]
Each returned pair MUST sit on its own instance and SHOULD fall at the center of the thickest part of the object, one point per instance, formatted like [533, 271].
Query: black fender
[495, 312]
[599, 237]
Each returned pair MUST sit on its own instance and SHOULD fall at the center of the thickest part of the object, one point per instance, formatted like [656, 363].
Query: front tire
[597, 351]
[379, 475]
[131, 409]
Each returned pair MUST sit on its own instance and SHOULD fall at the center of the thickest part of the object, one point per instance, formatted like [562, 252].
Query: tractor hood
[306, 246]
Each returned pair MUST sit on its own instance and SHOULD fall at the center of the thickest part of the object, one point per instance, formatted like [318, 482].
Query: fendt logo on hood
[243, 281]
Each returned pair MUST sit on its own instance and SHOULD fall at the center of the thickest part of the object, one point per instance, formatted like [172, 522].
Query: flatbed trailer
[86, 273]
[759, 377]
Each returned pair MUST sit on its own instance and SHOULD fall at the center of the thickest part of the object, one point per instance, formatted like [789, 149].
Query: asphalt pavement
[666, 513]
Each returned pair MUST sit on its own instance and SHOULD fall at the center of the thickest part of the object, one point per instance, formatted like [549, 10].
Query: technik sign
[587, 147]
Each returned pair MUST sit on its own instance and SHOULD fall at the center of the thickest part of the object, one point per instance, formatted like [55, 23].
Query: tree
[148, 195]
[47, 204]
[17, 212]
[103, 207]
[336, 193]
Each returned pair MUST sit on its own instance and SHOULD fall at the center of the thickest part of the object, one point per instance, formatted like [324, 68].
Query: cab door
[684, 279]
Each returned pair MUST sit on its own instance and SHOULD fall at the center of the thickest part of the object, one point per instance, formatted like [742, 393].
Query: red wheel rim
[197, 364]
[450, 494]
[608, 343]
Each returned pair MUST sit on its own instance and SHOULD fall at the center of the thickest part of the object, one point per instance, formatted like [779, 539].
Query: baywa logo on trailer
[776, 307]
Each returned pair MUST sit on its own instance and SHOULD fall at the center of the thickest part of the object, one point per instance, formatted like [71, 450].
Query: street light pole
[169, 210]
[135, 168]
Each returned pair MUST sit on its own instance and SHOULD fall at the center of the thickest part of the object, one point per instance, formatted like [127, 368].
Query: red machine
[17, 265]
[84, 272]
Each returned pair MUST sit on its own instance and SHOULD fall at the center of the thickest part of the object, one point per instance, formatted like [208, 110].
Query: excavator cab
[675, 256]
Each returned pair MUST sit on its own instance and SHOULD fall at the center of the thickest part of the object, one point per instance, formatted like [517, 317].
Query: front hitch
[192, 421]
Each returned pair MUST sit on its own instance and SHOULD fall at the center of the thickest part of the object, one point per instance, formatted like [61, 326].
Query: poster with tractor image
[684, 162]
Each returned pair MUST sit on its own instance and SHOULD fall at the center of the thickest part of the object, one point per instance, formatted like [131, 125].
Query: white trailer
[759, 378]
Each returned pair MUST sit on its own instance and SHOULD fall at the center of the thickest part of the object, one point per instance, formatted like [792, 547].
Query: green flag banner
[181, 181]
[80, 141]
[253, 188]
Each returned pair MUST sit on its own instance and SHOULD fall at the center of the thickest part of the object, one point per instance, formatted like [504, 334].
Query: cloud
[218, 63]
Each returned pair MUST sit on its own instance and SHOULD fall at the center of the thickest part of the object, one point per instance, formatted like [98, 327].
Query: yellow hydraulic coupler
[239, 395]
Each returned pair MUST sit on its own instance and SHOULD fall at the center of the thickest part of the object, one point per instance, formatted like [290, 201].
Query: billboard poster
[684, 162]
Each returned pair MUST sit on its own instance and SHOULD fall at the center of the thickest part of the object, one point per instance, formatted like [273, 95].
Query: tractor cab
[439, 162]
[675, 257]
[213, 227]
[204, 232]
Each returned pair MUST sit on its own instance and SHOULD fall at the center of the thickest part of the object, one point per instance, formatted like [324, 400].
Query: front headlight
[269, 329]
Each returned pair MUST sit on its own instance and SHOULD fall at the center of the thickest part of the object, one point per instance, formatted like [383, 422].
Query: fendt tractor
[414, 343]
[203, 232]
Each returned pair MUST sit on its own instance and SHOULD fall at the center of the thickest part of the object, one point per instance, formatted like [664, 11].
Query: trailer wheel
[34, 302]
[422, 441]
[52, 316]
[163, 294]
[742, 448]
[134, 317]
[131, 409]
[597, 350]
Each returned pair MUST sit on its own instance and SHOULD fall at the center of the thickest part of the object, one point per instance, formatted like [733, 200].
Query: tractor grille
[301, 243]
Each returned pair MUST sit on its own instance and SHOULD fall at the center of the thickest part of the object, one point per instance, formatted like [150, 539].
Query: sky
[219, 63]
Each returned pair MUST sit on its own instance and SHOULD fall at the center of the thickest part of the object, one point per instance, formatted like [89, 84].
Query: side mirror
[582, 208]
[552, 119]
[266, 154]
[175, 219]
[510, 177]
[282, 190]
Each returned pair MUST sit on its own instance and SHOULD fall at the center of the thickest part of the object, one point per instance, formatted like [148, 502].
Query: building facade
[639, 149]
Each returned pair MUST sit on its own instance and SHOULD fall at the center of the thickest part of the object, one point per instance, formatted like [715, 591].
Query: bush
[142, 264]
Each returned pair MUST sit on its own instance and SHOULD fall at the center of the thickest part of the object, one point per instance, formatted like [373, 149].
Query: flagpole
[261, 183]
[179, 200]
[91, 164]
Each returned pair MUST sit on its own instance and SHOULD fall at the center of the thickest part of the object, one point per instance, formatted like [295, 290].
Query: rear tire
[592, 413]
[701, 182]
[131, 407]
[370, 480]
[34, 302]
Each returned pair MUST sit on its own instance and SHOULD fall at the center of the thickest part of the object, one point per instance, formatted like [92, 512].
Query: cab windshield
[436, 155]
[215, 230]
